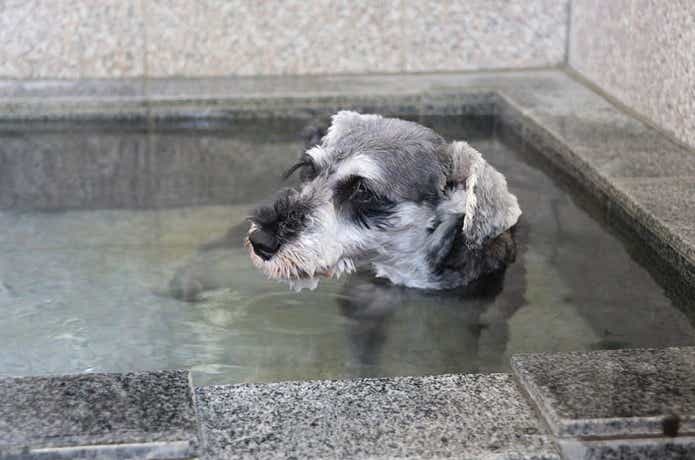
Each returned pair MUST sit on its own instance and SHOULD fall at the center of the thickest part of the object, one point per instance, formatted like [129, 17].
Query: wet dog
[391, 196]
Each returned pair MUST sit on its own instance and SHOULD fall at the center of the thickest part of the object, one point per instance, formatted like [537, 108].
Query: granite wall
[157, 38]
[642, 52]
[638, 51]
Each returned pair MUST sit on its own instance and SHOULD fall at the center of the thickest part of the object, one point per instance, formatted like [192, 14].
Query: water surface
[121, 250]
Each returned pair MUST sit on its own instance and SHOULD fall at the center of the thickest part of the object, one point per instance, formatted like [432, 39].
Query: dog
[390, 196]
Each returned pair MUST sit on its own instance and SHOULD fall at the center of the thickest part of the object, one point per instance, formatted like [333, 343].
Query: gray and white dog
[393, 196]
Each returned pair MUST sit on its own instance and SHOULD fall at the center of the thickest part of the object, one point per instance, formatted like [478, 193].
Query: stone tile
[640, 52]
[680, 448]
[482, 34]
[639, 392]
[599, 31]
[71, 39]
[265, 38]
[669, 201]
[615, 144]
[662, 68]
[467, 416]
[103, 415]
[623, 147]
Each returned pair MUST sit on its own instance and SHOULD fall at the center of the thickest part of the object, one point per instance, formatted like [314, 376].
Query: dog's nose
[265, 245]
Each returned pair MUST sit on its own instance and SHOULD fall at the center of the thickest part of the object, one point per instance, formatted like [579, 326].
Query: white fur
[321, 156]
[359, 165]
[401, 257]
[330, 245]
[341, 123]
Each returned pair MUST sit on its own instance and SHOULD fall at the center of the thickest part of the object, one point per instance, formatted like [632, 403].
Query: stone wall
[162, 38]
[642, 52]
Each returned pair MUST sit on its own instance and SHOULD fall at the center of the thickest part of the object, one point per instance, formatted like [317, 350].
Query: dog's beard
[313, 254]
[292, 266]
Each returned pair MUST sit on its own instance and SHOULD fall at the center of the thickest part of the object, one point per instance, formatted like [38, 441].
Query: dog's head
[381, 192]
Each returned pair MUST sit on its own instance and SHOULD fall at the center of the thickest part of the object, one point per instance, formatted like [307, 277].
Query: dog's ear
[477, 192]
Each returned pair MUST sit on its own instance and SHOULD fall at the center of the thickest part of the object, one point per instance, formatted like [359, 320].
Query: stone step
[636, 403]
[461, 416]
[133, 415]
[604, 404]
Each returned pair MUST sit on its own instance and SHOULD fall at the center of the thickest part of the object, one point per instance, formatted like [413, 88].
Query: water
[120, 250]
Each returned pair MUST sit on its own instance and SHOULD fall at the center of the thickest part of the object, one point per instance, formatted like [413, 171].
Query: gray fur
[393, 196]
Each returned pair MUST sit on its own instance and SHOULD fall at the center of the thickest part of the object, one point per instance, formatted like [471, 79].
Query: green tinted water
[121, 250]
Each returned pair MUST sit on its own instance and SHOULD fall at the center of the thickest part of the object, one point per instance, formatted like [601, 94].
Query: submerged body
[391, 196]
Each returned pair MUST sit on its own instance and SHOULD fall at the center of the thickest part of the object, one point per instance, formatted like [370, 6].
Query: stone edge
[169, 450]
[593, 428]
[174, 449]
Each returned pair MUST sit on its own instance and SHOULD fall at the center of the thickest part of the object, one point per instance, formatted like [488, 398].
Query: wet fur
[436, 216]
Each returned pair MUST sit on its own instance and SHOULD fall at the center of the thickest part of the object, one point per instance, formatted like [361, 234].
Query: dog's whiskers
[374, 193]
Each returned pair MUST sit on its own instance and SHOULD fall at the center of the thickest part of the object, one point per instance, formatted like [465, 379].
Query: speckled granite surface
[475, 34]
[633, 449]
[119, 38]
[98, 415]
[641, 53]
[104, 40]
[464, 416]
[670, 201]
[621, 393]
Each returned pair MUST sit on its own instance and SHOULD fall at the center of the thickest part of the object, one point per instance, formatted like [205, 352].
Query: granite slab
[223, 37]
[640, 53]
[477, 34]
[107, 41]
[465, 416]
[133, 415]
[261, 38]
[671, 202]
[633, 449]
[617, 393]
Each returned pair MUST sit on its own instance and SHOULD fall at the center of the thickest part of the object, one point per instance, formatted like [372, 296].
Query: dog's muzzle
[276, 224]
[264, 243]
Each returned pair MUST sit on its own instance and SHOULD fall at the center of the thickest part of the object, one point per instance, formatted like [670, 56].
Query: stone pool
[120, 259]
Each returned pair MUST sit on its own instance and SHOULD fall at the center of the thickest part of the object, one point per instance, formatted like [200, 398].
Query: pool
[121, 250]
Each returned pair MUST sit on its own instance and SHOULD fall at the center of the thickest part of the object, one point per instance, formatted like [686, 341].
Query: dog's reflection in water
[443, 330]
[210, 267]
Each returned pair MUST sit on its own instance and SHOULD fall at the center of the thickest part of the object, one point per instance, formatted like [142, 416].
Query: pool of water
[121, 250]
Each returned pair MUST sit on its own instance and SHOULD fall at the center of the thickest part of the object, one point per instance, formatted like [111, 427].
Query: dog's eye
[354, 198]
[361, 193]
